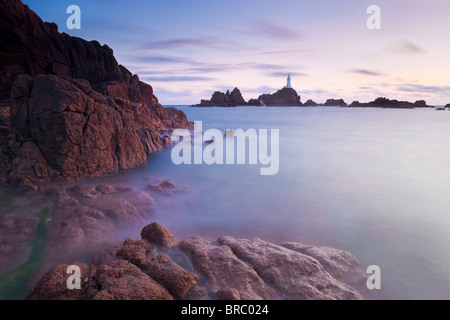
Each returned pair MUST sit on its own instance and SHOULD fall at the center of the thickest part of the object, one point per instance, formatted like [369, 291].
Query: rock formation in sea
[68, 109]
[447, 105]
[387, 103]
[335, 103]
[159, 267]
[283, 97]
[220, 99]
[311, 103]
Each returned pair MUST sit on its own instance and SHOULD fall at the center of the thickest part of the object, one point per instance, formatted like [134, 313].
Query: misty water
[374, 182]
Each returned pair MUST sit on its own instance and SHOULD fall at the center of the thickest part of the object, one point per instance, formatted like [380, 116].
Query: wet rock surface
[228, 268]
[86, 217]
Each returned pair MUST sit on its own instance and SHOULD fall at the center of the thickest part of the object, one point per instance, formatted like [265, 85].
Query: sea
[374, 182]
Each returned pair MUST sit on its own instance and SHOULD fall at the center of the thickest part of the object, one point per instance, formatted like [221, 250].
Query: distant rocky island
[288, 97]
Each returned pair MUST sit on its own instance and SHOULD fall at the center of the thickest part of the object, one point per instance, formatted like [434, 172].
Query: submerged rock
[84, 217]
[14, 237]
[220, 99]
[166, 187]
[74, 111]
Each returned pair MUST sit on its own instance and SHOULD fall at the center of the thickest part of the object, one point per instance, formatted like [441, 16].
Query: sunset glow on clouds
[188, 49]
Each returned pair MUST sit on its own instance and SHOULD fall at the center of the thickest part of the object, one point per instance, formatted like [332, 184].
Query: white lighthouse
[288, 85]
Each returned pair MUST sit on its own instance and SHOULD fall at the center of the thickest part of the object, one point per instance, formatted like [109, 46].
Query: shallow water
[371, 181]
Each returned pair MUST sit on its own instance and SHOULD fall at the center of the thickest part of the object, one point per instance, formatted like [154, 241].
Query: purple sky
[188, 49]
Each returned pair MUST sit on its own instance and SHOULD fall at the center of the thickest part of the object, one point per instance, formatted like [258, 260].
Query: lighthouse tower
[288, 85]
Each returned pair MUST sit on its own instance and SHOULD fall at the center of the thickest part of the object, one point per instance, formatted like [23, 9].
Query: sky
[188, 49]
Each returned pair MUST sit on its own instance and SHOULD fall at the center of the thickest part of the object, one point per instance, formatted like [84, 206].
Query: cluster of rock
[283, 97]
[68, 110]
[387, 103]
[289, 97]
[220, 99]
[159, 267]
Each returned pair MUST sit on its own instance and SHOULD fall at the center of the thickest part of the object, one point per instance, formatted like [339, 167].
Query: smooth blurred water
[375, 182]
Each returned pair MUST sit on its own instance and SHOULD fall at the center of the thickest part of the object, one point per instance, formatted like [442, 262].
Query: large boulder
[179, 282]
[335, 103]
[121, 280]
[226, 274]
[159, 235]
[295, 275]
[53, 285]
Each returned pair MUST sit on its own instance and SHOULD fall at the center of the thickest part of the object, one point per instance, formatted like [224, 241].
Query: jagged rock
[53, 285]
[135, 251]
[166, 187]
[159, 235]
[294, 275]
[121, 280]
[75, 112]
[220, 99]
[224, 271]
[180, 283]
[281, 98]
[311, 103]
[335, 103]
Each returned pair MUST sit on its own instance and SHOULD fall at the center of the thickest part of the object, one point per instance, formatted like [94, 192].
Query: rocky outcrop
[294, 275]
[281, 98]
[311, 103]
[220, 99]
[447, 105]
[74, 111]
[387, 103]
[30, 46]
[121, 280]
[224, 271]
[335, 103]
[165, 187]
[53, 285]
[196, 268]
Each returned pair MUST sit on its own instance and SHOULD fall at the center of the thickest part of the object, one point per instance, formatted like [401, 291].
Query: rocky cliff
[68, 109]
